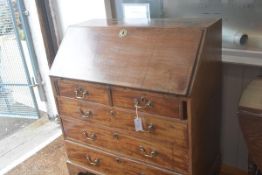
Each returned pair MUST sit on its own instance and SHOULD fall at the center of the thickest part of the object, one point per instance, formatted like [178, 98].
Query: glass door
[17, 78]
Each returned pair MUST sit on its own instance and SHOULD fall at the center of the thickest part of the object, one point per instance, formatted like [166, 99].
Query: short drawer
[83, 91]
[155, 153]
[107, 163]
[154, 103]
[162, 129]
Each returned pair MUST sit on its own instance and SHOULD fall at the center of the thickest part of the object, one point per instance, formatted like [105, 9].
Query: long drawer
[108, 163]
[151, 152]
[163, 129]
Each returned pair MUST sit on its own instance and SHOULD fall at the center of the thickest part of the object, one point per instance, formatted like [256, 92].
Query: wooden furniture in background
[229, 170]
[250, 117]
[169, 70]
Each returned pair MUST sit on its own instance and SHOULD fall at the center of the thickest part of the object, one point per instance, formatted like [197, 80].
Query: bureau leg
[252, 167]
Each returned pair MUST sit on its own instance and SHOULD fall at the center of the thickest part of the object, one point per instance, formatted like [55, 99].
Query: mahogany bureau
[140, 98]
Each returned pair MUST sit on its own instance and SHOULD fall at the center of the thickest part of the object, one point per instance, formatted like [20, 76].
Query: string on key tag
[136, 111]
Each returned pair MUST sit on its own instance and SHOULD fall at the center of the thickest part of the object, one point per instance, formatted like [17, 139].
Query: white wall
[67, 12]
[70, 12]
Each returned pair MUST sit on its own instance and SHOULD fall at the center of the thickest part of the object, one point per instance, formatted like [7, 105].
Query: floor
[21, 145]
[51, 161]
[9, 126]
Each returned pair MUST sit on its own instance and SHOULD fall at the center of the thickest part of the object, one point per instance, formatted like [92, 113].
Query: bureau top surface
[158, 55]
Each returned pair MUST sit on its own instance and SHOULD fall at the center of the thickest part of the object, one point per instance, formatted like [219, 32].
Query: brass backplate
[122, 33]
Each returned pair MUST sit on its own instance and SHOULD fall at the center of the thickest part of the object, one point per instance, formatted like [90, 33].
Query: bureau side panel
[205, 105]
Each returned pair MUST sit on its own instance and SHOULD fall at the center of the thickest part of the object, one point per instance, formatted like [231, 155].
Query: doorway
[18, 72]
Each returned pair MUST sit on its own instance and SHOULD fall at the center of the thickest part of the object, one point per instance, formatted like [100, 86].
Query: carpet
[48, 161]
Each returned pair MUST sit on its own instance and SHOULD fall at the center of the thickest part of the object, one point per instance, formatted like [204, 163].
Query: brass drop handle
[80, 93]
[150, 128]
[112, 113]
[143, 103]
[122, 33]
[149, 103]
[91, 136]
[118, 160]
[85, 114]
[116, 135]
[95, 162]
[152, 154]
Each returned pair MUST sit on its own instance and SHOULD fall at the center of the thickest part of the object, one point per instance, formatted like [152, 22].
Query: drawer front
[153, 103]
[108, 163]
[162, 129]
[84, 91]
[74, 169]
[151, 152]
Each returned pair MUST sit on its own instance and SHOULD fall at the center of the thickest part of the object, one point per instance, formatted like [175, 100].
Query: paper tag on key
[138, 124]
[138, 121]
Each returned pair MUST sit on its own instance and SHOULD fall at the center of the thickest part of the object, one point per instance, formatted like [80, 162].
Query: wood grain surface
[163, 129]
[108, 163]
[198, 23]
[126, 145]
[76, 169]
[205, 104]
[251, 126]
[161, 104]
[92, 92]
[54, 156]
[172, 73]
[158, 59]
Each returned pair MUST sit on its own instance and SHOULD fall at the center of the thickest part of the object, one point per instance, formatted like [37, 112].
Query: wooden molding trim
[229, 170]
[47, 29]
